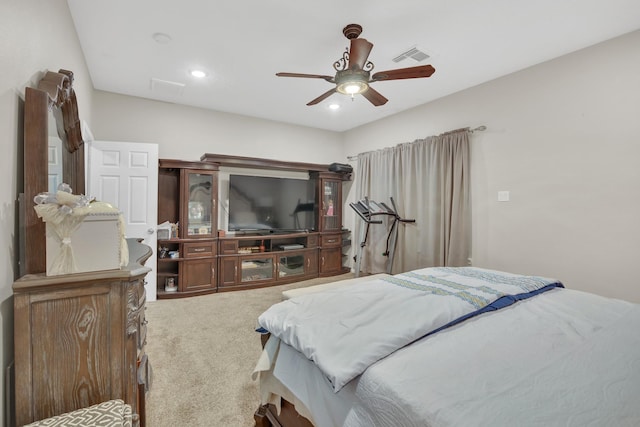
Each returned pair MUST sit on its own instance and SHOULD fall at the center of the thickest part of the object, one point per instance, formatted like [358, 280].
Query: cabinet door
[330, 205]
[199, 192]
[311, 262]
[329, 199]
[257, 269]
[291, 265]
[330, 260]
[228, 271]
[198, 275]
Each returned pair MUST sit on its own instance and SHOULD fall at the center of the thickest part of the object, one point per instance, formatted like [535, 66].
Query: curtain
[429, 181]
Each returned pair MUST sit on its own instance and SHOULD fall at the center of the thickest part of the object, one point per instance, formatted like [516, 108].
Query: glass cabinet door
[330, 205]
[200, 207]
[256, 269]
[290, 265]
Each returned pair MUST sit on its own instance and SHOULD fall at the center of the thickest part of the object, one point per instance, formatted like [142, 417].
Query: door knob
[151, 231]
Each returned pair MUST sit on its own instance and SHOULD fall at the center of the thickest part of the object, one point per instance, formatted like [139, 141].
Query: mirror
[54, 155]
[54, 101]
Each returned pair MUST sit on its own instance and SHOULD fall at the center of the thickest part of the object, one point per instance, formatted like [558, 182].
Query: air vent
[166, 87]
[412, 53]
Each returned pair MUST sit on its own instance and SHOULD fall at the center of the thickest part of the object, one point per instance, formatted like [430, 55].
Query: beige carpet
[203, 350]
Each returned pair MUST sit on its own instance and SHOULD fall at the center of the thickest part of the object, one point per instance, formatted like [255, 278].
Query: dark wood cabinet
[187, 198]
[228, 271]
[198, 275]
[80, 340]
[330, 261]
[329, 223]
[311, 262]
[255, 260]
[329, 199]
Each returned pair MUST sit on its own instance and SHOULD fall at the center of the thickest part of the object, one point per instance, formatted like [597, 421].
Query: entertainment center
[280, 230]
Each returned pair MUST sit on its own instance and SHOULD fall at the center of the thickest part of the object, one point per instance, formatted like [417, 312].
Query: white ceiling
[242, 44]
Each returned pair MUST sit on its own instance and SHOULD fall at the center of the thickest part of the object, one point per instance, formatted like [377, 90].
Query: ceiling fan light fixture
[352, 88]
[352, 82]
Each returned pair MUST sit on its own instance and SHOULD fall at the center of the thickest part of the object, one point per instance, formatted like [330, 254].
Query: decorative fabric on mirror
[429, 182]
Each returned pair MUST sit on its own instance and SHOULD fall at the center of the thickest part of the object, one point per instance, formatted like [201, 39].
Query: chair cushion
[112, 413]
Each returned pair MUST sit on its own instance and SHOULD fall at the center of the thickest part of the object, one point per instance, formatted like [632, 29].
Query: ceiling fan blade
[359, 52]
[374, 97]
[404, 73]
[309, 76]
[323, 97]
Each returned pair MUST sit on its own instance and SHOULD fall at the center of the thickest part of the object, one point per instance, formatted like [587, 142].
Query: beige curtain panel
[429, 182]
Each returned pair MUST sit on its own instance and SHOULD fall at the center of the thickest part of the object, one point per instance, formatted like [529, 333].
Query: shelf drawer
[331, 240]
[312, 241]
[229, 247]
[199, 249]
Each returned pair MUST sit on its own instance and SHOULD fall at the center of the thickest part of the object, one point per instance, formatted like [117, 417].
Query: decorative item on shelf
[330, 208]
[73, 224]
[174, 254]
[163, 252]
[262, 246]
[170, 284]
[164, 230]
[196, 211]
[174, 231]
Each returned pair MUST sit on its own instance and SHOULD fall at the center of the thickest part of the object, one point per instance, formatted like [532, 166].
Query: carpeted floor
[203, 350]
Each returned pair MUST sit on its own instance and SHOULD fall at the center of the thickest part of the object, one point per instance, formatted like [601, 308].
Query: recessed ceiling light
[198, 73]
[161, 38]
[334, 106]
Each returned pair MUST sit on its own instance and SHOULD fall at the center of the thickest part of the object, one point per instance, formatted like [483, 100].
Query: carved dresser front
[80, 340]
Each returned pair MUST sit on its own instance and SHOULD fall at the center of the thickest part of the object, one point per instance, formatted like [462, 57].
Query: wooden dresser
[79, 340]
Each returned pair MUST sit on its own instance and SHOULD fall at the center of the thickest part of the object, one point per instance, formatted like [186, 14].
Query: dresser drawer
[312, 241]
[229, 247]
[331, 240]
[199, 249]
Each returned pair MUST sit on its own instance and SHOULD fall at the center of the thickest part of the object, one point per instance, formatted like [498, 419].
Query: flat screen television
[268, 204]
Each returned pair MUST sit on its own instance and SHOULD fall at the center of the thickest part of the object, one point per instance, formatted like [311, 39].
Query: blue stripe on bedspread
[441, 286]
[498, 304]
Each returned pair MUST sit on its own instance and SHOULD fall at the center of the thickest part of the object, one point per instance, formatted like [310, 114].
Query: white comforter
[344, 331]
[563, 358]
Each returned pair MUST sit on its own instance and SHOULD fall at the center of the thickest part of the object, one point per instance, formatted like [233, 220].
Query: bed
[450, 347]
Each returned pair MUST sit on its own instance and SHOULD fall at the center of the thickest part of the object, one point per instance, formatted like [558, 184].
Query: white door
[55, 163]
[125, 174]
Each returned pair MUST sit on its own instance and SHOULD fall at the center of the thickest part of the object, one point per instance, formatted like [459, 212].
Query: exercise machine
[370, 212]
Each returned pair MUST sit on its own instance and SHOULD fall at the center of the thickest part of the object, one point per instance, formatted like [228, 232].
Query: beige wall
[187, 133]
[563, 139]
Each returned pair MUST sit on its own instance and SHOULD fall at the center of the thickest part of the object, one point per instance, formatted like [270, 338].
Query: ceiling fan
[353, 71]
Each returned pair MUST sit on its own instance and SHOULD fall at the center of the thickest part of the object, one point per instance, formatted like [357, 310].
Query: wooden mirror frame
[54, 94]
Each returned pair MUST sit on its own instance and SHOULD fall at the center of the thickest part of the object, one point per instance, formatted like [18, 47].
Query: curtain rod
[477, 129]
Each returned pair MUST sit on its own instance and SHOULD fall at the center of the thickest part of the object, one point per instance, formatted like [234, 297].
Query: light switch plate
[503, 196]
